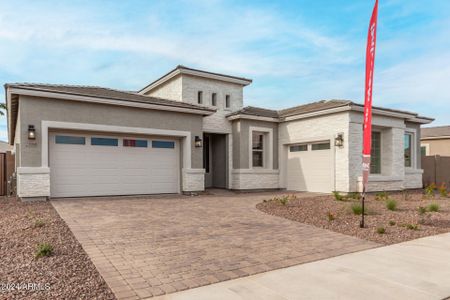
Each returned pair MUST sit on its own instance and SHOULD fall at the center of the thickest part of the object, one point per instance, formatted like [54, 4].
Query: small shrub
[39, 223]
[354, 196]
[412, 226]
[429, 190]
[44, 249]
[356, 208]
[391, 223]
[284, 200]
[338, 196]
[293, 197]
[443, 190]
[381, 230]
[433, 207]
[380, 196]
[330, 217]
[391, 204]
[422, 210]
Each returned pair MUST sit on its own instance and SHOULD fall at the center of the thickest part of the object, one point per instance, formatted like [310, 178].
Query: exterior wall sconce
[198, 141]
[339, 140]
[31, 132]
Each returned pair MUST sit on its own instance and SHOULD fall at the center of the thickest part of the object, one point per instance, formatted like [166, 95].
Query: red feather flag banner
[370, 63]
[367, 125]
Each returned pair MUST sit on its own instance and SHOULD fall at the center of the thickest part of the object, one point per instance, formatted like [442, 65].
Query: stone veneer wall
[247, 179]
[33, 182]
[193, 180]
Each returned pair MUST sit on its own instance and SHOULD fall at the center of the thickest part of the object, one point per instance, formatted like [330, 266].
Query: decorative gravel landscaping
[391, 217]
[40, 257]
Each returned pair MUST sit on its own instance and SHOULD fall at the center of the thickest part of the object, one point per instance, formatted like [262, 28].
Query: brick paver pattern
[149, 246]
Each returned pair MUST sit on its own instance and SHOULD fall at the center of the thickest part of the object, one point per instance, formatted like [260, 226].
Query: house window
[375, 155]
[135, 143]
[96, 141]
[214, 99]
[163, 144]
[227, 101]
[408, 153]
[72, 140]
[320, 146]
[257, 149]
[298, 148]
[423, 150]
[200, 97]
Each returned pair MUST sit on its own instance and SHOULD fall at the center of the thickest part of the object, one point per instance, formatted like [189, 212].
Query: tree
[2, 109]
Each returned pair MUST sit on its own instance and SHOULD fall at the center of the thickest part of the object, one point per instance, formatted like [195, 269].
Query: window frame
[104, 139]
[227, 101]
[64, 136]
[267, 147]
[214, 99]
[262, 150]
[134, 143]
[199, 97]
[305, 149]
[413, 133]
[328, 143]
[379, 166]
[162, 142]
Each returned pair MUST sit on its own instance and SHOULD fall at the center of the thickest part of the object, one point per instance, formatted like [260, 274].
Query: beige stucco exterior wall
[33, 110]
[437, 146]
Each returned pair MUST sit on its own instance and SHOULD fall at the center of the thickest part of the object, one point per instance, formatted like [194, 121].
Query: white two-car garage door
[98, 165]
[310, 167]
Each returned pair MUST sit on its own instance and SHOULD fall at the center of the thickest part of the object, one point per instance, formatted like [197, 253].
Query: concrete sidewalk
[418, 269]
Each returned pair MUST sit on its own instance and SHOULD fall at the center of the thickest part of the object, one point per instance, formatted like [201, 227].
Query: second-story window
[200, 97]
[214, 99]
[227, 101]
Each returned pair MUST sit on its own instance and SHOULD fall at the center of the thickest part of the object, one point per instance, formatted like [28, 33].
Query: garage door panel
[310, 170]
[91, 170]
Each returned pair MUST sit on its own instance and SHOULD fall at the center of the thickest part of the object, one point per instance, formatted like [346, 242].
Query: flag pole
[367, 122]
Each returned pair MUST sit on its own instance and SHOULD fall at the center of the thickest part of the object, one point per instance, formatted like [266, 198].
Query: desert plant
[391, 204]
[391, 223]
[284, 200]
[330, 216]
[429, 190]
[381, 230]
[44, 249]
[292, 197]
[356, 208]
[354, 196]
[39, 223]
[338, 196]
[380, 196]
[412, 226]
[443, 190]
[433, 207]
[405, 195]
[422, 210]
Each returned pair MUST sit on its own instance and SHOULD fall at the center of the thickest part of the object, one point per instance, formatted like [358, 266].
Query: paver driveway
[150, 246]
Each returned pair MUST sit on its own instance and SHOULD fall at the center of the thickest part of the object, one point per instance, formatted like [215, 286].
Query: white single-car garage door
[98, 165]
[310, 167]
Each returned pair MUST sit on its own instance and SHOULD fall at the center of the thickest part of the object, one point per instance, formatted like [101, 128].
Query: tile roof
[312, 107]
[101, 92]
[438, 131]
[256, 111]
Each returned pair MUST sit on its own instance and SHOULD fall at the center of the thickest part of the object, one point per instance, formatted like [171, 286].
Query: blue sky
[295, 51]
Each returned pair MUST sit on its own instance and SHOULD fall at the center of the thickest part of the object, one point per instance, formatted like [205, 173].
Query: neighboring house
[435, 140]
[188, 130]
[5, 147]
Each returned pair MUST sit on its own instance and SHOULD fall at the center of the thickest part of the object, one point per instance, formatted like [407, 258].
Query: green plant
[39, 223]
[381, 230]
[422, 210]
[356, 208]
[429, 190]
[443, 190]
[381, 196]
[44, 249]
[391, 204]
[354, 196]
[412, 226]
[338, 196]
[433, 207]
[330, 217]
[284, 200]
[391, 223]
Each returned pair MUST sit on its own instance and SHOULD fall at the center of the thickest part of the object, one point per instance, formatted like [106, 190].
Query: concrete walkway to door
[418, 269]
[149, 246]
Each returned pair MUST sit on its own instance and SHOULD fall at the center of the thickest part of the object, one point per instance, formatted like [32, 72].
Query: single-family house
[189, 130]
